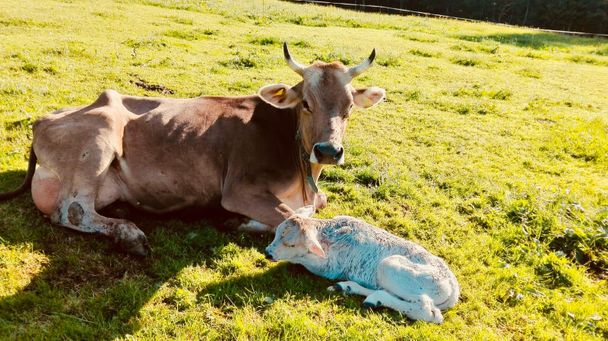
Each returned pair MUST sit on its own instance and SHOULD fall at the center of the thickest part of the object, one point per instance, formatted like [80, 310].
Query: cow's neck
[310, 171]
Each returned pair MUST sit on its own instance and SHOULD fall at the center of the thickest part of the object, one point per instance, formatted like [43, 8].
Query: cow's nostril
[268, 255]
[318, 152]
[339, 153]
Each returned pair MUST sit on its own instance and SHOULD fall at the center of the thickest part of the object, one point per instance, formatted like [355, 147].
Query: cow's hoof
[254, 227]
[132, 240]
[139, 247]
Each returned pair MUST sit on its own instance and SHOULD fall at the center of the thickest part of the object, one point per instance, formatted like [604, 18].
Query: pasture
[491, 151]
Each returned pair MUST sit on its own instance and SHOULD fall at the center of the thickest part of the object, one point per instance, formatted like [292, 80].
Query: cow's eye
[289, 245]
[305, 106]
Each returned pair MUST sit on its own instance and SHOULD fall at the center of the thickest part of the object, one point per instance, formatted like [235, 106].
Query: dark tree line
[569, 15]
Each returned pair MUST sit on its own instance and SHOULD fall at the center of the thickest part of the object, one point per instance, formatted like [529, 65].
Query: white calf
[388, 270]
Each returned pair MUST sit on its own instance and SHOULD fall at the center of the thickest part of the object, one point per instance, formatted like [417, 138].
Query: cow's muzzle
[327, 153]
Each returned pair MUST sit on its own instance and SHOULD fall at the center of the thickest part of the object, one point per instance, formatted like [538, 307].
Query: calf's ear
[367, 98]
[279, 95]
[314, 246]
[285, 210]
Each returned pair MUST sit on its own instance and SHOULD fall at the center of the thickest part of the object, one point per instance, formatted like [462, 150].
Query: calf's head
[295, 241]
[323, 101]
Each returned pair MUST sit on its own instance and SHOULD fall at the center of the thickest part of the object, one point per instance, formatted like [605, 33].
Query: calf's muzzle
[268, 254]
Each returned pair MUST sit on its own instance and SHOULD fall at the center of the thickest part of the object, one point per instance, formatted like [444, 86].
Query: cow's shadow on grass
[86, 289]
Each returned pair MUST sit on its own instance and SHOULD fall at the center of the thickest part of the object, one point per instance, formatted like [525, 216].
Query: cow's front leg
[261, 208]
[257, 227]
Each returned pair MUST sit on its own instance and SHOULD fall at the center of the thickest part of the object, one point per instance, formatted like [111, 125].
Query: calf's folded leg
[421, 308]
[350, 287]
[409, 281]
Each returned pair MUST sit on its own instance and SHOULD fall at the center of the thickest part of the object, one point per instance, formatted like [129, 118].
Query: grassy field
[491, 151]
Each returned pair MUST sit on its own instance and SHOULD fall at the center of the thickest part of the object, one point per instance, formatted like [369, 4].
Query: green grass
[491, 151]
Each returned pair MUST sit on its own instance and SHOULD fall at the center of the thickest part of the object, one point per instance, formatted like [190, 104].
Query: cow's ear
[285, 210]
[313, 245]
[279, 95]
[366, 98]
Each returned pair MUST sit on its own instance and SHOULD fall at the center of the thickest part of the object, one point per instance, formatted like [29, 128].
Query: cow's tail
[28, 179]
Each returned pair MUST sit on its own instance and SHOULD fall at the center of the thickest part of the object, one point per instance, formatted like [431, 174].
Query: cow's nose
[268, 255]
[328, 150]
[339, 154]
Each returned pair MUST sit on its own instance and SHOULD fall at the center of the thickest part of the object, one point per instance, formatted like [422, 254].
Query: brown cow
[247, 154]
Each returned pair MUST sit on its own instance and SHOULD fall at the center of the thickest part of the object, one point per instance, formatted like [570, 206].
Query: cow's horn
[359, 69]
[293, 64]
